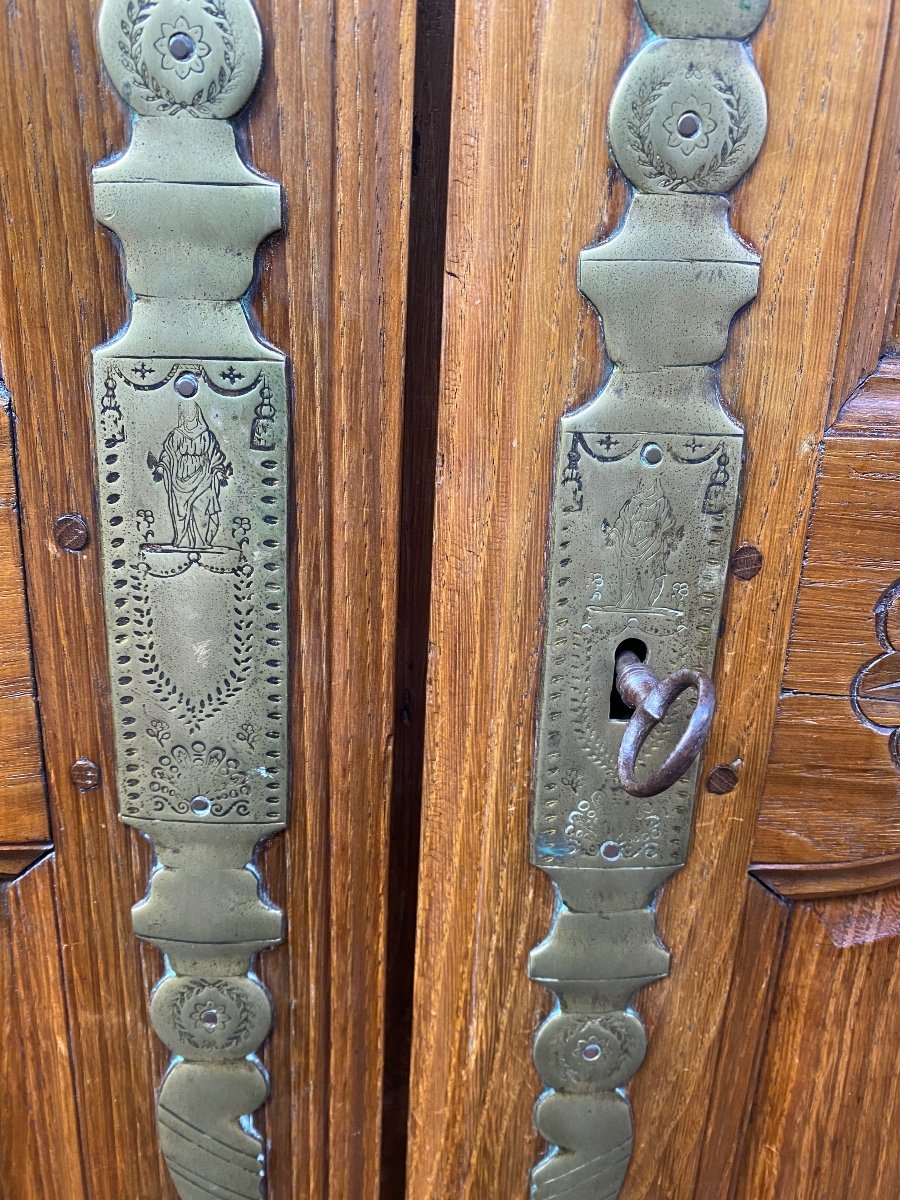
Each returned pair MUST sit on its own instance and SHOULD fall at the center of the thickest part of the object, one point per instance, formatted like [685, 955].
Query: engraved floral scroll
[191, 436]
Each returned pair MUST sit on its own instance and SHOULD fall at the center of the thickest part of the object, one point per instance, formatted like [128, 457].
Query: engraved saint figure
[194, 470]
[644, 534]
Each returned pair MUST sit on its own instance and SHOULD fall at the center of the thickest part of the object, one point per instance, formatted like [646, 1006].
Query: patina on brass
[191, 437]
[645, 495]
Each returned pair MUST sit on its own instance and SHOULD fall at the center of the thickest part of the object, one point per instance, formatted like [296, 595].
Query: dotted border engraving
[158, 706]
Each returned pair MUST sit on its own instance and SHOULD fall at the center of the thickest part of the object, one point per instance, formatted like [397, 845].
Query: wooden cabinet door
[443, 163]
[769, 1074]
[331, 121]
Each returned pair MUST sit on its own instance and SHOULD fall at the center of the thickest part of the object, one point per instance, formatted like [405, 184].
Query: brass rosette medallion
[191, 429]
[646, 489]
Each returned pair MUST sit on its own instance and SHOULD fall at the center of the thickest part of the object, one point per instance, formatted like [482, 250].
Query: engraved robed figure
[646, 488]
[194, 470]
[191, 437]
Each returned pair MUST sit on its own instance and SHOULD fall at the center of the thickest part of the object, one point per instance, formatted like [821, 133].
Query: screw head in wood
[746, 561]
[721, 780]
[85, 774]
[71, 532]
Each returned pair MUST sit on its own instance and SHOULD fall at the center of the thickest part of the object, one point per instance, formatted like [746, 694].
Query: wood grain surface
[530, 184]
[23, 805]
[16, 859]
[874, 288]
[816, 881]
[332, 122]
[851, 561]
[828, 1101]
[40, 1152]
[751, 996]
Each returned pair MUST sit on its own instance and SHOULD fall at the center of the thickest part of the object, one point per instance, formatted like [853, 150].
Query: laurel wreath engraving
[709, 174]
[205, 993]
[169, 693]
[616, 1038]
[148, 86]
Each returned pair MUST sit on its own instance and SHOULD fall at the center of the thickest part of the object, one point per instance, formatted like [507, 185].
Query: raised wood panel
[332, 122]
[833, 780]
[23, 805]
[40, 1154]
[16, 859]
[852, 558]
[528, 188]
[832, 793]
[828, 1098]
[815, 881]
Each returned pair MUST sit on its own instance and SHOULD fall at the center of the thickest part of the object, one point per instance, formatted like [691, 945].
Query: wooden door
[443, 165]
[768, 1075]
[332, 122]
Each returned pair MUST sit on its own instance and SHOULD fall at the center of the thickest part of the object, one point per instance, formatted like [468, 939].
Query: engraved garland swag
[191, 431]
[643, 513]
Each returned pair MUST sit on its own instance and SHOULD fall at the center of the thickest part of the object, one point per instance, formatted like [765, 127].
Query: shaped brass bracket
[645, 499]
[191, 437]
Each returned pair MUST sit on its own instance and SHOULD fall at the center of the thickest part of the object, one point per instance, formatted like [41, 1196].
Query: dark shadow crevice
[435, 21]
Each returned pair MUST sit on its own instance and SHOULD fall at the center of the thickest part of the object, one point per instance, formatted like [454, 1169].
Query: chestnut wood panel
[530, 184]
[23, 806]
[40, 1154]
[828, 1100]
[332, 122]
[832, 792]
[833, 780]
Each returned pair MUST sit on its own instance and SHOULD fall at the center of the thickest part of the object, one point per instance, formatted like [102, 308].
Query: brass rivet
[746, 561]
[181, 47]
[85, 774]
[722, 779]
[71, 532]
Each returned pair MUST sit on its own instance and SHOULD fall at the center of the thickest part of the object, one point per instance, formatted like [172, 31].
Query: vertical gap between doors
[425, 290]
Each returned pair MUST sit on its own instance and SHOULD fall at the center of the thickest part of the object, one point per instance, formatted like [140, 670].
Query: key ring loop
[652, 698]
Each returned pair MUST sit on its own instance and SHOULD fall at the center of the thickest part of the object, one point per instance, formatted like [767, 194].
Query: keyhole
[618, 709]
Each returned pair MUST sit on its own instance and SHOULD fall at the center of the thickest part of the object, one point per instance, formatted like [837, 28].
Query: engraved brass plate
[646, 490]
[191, 437]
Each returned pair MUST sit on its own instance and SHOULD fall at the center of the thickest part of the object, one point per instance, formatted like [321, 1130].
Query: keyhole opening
[618, 709]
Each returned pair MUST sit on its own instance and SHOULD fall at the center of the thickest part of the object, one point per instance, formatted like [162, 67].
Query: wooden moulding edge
[14, 860]
[813, 881]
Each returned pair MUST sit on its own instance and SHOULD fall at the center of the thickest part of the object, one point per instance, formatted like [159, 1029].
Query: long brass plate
[192, 444]
[646, 491]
